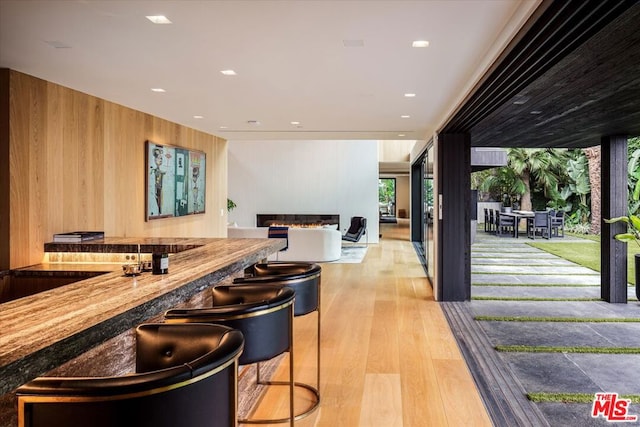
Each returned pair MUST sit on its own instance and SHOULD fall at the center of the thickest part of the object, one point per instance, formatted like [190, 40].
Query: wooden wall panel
[37, 171]
[53, 161]
[78, 162]
[4, 171]
[21, 118]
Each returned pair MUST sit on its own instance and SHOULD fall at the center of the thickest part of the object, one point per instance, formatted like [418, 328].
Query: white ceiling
[289, 56]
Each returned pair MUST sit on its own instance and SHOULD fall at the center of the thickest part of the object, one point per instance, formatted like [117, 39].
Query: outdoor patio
[562, 352]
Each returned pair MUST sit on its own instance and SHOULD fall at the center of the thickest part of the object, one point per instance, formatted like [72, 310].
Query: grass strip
[524, 265]
[558, 319]
[498, 250]
[536, 273]
[541, 285]
[588, 350]
[573, 397]
[513, 257]
[480, 298]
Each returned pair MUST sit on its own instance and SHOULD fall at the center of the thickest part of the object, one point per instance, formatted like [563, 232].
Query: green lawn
[586, 253]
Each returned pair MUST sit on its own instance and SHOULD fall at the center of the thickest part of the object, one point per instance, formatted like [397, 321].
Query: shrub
[580, 228]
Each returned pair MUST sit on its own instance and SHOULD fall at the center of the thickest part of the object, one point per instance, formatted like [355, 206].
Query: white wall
[304, 177]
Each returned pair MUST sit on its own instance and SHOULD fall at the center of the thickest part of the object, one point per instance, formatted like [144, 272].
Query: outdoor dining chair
[505, 225]
[557, 224]
[539, 225]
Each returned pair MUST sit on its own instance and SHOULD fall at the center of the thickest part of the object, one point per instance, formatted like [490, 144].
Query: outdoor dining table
[518, 215]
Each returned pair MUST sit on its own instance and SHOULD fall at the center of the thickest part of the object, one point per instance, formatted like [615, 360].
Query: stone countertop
[40, 332]
[69, 269]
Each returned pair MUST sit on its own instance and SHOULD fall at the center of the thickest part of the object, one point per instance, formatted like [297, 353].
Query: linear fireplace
[293, 220]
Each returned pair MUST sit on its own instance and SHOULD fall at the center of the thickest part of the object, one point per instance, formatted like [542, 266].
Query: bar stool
[186, 375]
[264, 315]
[305, 279]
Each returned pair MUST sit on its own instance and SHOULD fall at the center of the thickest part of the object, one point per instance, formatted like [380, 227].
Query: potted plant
[632, 235]
[506, 203]
[231, 206]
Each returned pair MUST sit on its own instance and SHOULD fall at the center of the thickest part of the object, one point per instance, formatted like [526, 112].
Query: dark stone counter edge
[59, 273]
[97, 246]
[21, 371]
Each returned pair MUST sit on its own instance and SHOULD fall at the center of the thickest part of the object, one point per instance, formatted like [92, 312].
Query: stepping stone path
[510, 268]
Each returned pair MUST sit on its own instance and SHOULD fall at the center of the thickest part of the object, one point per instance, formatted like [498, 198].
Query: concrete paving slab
[579, 415]
[500, 242]
[549, 373]
[553, 309]
[572, 270]
[524, 261]
[627, 334]
[535, 279]
[551, 334]
[486, 254]
[482, 237]
[618, 373]
[592, 291]
[507, 261]
[511, 249]
[576, 373]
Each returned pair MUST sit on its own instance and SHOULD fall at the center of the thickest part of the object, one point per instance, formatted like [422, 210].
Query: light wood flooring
[388, 356]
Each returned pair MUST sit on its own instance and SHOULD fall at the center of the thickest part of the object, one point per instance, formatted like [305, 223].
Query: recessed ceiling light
[157, 89]
[409, 95]
[295, 123]
[158, 19]
[353, 43]
[405, 117]
[223, 127]
[228, 72]
[198, 117]
[58, 44]
[420, 43]
[401, 134]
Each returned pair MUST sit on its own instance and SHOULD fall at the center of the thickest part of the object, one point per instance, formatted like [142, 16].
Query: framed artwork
[175, 181]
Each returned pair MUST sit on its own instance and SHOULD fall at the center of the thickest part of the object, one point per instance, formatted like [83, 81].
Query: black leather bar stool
[186, 375]
[305, 279]
[264, 314]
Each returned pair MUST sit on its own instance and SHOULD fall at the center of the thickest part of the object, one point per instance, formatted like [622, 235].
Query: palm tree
[593, 157]
[539, 167]
[501, 183]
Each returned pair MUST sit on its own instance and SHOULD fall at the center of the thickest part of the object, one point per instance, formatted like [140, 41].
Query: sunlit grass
[574, 349]
[574, 397]
[557, 319]
[587, 254]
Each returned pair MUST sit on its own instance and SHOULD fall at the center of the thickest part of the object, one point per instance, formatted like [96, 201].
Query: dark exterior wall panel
[454, 168]
[614, 204]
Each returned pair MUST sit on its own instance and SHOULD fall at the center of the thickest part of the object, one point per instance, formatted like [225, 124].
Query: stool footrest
[314, 405]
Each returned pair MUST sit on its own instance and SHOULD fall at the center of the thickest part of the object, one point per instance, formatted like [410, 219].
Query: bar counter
[43, 331]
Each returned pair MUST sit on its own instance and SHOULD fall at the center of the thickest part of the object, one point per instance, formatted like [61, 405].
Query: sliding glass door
[428, 212]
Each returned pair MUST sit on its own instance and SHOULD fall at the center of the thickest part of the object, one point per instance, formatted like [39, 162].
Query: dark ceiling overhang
[570, 77]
